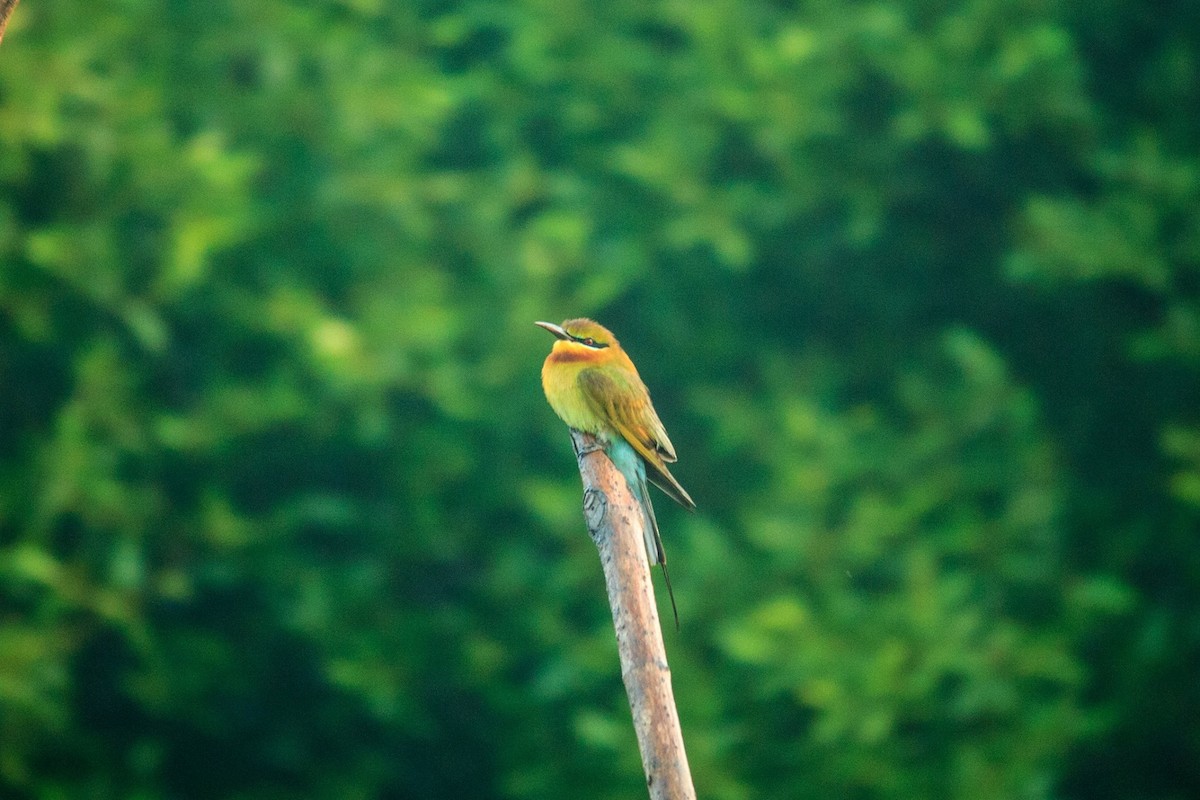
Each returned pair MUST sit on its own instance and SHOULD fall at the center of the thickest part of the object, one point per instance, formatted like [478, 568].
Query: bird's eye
[590, 342]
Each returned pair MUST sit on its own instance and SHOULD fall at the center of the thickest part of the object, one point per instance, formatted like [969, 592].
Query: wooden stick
[614, 521]
[6, 9]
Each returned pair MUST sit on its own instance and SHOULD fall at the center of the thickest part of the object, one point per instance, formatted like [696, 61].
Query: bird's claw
[585, 443]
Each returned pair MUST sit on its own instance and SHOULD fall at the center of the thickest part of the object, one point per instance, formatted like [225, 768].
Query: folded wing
[625, 403]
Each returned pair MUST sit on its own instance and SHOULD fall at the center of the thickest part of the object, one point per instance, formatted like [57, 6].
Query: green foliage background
[916, 286]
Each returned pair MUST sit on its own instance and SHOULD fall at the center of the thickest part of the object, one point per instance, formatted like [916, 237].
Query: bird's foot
[585, 443]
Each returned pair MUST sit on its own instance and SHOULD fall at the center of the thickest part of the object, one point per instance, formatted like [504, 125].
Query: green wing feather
[625, 404]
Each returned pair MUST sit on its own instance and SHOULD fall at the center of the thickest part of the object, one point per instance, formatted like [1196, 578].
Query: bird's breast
[560, 381]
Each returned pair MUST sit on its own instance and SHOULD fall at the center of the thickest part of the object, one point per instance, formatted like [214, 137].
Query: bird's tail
[633, 468]
[654, 546]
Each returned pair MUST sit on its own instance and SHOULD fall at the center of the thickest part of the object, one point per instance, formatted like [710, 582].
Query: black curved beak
[557, 330]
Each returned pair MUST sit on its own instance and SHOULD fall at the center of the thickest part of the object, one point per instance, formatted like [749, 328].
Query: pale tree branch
[614, 521]
[6, 9]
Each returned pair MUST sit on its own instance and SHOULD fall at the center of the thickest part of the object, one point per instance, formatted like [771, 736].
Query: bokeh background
[916, 288]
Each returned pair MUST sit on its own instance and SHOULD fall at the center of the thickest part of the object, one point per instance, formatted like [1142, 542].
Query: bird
[593, 386]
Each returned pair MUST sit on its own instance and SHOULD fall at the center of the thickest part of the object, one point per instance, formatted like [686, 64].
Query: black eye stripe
[588, 341]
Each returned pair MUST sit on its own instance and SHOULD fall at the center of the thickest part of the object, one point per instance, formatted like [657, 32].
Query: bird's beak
[557, 330]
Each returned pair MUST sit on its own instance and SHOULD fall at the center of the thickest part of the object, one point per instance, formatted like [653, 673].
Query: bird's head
[582, 340]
